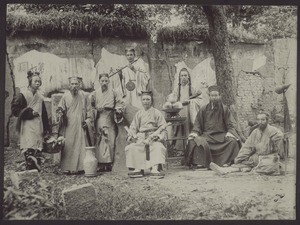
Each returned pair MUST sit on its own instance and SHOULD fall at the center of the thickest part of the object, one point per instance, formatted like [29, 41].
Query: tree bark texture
[218, 35]
[220, 48]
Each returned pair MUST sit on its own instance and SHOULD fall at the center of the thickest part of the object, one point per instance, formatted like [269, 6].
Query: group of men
[213, 141]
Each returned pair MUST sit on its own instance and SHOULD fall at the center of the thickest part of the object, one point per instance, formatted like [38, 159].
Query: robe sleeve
[142, 77]
[18, 104]
[45, 120]
[247, 148]
[63, 108]
[199, 122]
[161, 122]
[91, 110]
[135, 125]
[277, 141]
[119, 101]
[228, 120]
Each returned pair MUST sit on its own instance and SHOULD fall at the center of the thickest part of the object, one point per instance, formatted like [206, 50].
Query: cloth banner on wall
[54, 70]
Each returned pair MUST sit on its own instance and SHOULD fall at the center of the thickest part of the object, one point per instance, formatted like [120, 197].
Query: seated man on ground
[263, 141]
[146, 132]
[213, 137]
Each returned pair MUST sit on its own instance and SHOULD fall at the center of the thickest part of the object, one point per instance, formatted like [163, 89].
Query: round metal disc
[130, 86]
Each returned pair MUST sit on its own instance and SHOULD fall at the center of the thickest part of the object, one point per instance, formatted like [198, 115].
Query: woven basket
[52, 148]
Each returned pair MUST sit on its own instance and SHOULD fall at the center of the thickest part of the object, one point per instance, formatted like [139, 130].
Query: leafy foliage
[245, 22]
[34, 200]
[72, 23]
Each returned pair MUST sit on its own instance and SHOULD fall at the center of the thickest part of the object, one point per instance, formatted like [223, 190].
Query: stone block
[18, 178]
[80, 201]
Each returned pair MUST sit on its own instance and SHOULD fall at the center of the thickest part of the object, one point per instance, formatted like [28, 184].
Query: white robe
[143, 124]
[31, 132]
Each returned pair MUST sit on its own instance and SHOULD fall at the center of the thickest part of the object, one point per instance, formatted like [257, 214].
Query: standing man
[213, 138]
[32, 122]
[72, 110]
[108, 105]
[263, 141]
[135, 79]
[146, 132]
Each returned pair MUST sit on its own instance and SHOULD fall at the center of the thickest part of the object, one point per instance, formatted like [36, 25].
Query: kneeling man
[263, 141]
[146, 132]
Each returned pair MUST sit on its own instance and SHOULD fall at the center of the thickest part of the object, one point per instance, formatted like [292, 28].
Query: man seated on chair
[264, 140]
[213, 137]
[146, 132]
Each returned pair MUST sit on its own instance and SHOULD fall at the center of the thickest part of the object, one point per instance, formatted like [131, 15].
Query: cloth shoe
[218, 169]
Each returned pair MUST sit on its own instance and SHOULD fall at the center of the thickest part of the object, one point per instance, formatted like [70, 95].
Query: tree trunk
[223, 62]
[220, 48]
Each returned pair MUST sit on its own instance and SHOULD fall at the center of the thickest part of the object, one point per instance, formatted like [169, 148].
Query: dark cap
[74, 77]
[103, 75]
[32, 72]
[214, 88]
[130, 49]
[147, 93]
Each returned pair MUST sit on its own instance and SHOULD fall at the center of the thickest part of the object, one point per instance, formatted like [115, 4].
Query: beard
[104, 87]
[74, 91]
[262, 126]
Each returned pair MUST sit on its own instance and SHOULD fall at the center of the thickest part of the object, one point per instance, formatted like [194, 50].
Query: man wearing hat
[73, 107]
[32, 122]
[108, 105]
[213, 137]
[146, 132]
[263, 141]
[135, 79]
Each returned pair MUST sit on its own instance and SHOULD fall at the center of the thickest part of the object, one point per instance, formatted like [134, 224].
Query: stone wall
[165, 59]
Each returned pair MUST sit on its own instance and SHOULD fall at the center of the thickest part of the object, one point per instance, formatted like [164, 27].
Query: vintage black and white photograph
[150, 112]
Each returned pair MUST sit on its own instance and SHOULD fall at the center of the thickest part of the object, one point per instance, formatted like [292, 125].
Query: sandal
[157, 175]
[135, 174]
[68, 172]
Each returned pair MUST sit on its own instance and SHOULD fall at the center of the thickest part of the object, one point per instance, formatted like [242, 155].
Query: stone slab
[80, 201]
[18, 177]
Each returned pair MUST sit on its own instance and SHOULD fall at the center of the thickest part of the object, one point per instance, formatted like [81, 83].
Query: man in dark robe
[213, 137]
[32, 122]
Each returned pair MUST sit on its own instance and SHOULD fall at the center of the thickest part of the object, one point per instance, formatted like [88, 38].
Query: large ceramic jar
[90, 163]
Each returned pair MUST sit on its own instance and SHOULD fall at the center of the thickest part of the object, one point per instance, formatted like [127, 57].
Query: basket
[52, 147]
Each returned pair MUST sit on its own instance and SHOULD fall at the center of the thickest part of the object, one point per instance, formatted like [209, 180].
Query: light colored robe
[144, 124]
[73, 154]
[31, 132]
[190, 111]
[105, 144]
[258, 143]
[140, 78]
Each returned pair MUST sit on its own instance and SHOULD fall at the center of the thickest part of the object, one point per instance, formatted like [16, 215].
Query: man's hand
[119, 110]
[131, 139]
[84, 125]
[120, 72]
[35, 114]
[186, 102]
[130, 66]
[154, 137]
[192, 136]
[230, 136]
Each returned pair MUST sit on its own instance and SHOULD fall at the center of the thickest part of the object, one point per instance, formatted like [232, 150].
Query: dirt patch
[182, 194]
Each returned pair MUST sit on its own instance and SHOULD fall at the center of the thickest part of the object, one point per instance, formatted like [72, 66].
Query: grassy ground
[182, 195]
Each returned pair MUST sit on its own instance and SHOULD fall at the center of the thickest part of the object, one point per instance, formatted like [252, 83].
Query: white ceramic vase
[90, 163]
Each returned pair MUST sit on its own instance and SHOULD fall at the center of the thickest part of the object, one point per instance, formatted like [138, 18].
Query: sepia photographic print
[150, 112]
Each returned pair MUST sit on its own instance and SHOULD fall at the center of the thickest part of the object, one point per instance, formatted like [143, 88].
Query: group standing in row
[91, 119]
